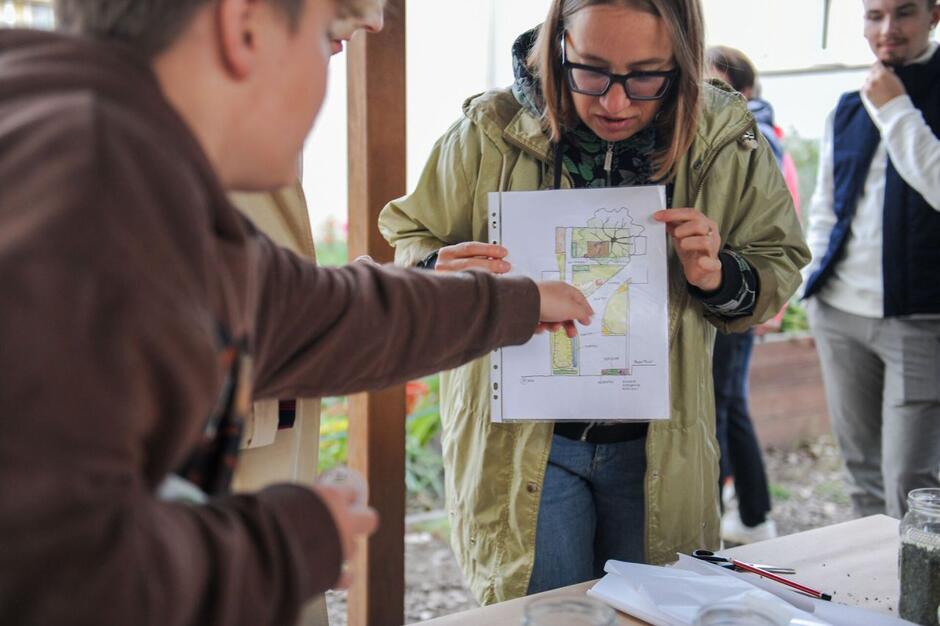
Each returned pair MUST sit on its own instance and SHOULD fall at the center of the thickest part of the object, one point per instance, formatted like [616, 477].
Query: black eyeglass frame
[613, 79]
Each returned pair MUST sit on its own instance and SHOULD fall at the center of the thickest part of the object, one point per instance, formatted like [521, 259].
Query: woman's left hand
[697, 242]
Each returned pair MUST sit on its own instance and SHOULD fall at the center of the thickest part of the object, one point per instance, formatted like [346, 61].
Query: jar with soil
[919, 565]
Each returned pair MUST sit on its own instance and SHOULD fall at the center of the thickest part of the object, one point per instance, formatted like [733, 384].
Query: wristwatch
[429, 262]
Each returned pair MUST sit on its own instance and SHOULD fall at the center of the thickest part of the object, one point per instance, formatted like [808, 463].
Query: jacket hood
[526, 86]
[762, 111]
[47, 76]
[36, 64]
[33, 62]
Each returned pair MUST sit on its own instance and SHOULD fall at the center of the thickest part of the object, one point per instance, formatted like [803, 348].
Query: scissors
[723, 561]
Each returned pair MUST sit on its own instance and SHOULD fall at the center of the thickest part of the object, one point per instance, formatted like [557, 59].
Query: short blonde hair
[149, 26]
[678, 120]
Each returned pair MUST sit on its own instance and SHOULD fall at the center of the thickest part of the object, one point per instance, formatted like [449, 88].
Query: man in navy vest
[874, 284]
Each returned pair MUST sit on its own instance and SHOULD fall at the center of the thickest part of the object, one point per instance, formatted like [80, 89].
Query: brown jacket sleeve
[109, 369]
[328, 331]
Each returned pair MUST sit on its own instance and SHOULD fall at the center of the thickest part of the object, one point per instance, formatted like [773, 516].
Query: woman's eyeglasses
[596, 81]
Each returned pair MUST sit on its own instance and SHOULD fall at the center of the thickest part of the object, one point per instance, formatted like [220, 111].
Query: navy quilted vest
[911, 253]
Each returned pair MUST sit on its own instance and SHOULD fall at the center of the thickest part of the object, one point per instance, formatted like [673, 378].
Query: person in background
[141, 313]
[735, 68]
[872, 288]
[743, 476]
[607, 93]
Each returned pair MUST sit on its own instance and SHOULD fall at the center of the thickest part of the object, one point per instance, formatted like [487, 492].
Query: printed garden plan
[606, 243]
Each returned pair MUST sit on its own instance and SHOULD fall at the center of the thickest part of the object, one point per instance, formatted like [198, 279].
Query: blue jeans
[592, 509]
[741, 455]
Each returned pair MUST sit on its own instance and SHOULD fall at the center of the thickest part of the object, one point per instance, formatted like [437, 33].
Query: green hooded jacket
[494, 472]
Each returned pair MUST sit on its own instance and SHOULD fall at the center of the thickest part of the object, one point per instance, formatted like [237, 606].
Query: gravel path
[806, 485]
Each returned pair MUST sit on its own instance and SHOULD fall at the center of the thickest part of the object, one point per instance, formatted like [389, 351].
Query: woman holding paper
[607, 93]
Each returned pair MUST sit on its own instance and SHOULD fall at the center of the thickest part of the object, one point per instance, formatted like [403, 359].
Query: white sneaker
[733, 529]
[728, 495]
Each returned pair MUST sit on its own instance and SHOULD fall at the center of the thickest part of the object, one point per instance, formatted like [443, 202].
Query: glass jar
[919, 560]
[567, 611]
[738, 613]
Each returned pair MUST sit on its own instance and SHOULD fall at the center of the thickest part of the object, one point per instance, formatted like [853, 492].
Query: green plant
[794, 319]
[331, 244]
[424, 466]
[334, 430]
[832, 491]
[779, 492]
[332, 254]
[805, 154]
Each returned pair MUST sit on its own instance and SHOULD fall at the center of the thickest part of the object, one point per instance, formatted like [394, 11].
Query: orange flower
[415, 392]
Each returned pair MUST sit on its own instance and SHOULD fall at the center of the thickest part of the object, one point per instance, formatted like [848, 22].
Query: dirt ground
[806, 484]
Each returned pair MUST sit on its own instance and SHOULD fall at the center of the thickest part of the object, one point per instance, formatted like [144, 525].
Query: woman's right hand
[473, 255]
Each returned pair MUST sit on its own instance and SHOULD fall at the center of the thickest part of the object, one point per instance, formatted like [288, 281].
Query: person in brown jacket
[140, 314]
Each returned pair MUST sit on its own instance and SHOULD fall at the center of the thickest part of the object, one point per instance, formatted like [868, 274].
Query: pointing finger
[475, 248]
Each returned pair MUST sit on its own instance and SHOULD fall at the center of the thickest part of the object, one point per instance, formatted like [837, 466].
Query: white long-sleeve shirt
[856, 284]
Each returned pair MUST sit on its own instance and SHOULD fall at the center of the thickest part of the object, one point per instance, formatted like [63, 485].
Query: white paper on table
[833, 612]
[606, 243]
[672, 596]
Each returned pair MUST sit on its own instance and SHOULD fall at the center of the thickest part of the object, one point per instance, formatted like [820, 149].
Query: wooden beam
[377, 139]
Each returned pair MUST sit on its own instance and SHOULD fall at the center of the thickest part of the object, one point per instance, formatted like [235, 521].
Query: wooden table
[857, 562]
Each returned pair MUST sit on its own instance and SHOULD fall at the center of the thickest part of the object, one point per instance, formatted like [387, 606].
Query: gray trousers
[882, 379]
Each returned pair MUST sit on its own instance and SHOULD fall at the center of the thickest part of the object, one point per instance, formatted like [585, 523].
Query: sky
[447, 64]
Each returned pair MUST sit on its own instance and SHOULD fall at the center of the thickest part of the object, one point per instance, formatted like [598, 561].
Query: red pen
[780, 579]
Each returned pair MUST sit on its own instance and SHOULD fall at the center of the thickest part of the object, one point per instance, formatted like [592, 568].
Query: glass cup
[738, 613]
[567, 611]
[343, 476]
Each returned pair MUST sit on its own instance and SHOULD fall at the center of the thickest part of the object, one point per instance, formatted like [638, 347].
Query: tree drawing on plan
[609, 235]
[602, 249]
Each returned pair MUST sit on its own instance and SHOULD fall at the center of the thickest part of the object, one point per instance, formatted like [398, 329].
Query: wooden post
[377, 148]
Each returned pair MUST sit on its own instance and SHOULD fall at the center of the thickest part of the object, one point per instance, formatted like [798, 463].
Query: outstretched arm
[327, 331]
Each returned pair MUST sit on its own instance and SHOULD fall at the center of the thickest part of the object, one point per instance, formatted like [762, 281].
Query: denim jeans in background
[592, 510]
[741, 455]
